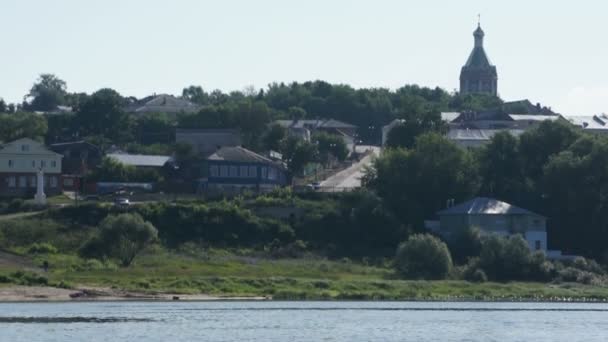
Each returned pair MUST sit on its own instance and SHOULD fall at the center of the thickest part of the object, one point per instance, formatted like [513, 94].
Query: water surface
[303, 321]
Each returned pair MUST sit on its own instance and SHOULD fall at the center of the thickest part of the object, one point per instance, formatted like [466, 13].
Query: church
[478, 75]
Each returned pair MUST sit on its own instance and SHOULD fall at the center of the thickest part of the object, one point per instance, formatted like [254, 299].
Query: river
[302, 321]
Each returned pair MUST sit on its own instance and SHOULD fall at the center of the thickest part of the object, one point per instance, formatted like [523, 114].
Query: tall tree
[103, 115]
[196, 94]
[46, 94]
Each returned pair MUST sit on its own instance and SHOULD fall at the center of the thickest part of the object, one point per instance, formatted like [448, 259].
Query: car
[122, 202]
[314, 186]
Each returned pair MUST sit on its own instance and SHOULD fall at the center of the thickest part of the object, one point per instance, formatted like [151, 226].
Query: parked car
[122, 202]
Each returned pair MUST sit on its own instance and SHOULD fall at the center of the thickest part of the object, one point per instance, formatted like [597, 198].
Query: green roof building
[478, 75]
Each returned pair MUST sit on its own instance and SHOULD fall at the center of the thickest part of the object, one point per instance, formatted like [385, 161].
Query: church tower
[478, 75]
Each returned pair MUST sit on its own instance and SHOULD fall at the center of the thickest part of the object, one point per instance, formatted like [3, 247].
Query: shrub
[42, 248]
[423, 256]
[465, 244]
[121, 237]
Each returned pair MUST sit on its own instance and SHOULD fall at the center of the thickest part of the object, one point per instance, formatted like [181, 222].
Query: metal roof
[449, 116]
[590, 122]
[238, 154]
[533, 117]
[485, 206]
[321, 123]
[480, 134]
[140, 159]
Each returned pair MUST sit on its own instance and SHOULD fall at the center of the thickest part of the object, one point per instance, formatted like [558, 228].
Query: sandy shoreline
[51, 294]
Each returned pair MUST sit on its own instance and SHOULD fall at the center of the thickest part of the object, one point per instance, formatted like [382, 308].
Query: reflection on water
[303, 321]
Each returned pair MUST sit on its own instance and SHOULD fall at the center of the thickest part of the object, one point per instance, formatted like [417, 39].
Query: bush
[423, 256]
[121, 237]
[465, 244]
[42, 248]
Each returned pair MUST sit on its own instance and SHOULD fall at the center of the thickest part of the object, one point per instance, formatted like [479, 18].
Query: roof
[485, 206]
[239, 154]
[478, 59]
[480, 134]
[316, 124]
[590, 122]
[140, 159]
[164, 103]
[450, 116]
[533, 117]
[206, 131]
[66, 145]
[36, 148]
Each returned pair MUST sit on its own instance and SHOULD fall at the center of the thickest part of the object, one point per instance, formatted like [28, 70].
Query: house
[206, 141]
[527, 121]
[492, 216]
[474, 138]
[304, 129]
[163, 103]
[78, 158]
[590, 123]
[232, 170]
[20, 162]
[141, 161]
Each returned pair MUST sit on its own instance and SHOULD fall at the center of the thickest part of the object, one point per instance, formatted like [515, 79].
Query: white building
[20, 161]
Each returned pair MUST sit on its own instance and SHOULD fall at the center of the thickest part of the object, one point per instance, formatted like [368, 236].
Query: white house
[20, 161]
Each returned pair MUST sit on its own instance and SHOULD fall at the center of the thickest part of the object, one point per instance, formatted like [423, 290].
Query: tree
[274, 137]
[22, 125]
[413, 125]
[103, 114]
[3, 106]
[154, 128]
[47, 93]
[501, 169]
[121, 237]
[296, 113]
[298, 154]
[196, 94]
[330, 145]
[423, 256]
[417, 183]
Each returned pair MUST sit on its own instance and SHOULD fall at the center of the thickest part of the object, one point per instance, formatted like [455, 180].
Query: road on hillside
[350, 178]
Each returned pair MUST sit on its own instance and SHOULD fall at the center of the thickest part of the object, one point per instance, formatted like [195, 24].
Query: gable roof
[315, 124]
[164, 103]
[140, 159]
[485, 206]
[239, 154]
[38, 148]
[480, 134]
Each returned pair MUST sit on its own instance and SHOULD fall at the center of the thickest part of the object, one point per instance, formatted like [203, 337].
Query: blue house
[233, 170]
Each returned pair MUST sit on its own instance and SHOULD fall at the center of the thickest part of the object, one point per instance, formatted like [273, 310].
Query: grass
[226, 274]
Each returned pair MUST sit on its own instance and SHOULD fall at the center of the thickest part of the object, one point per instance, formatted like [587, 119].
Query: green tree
[298, 154]
[102, 114]
[274, 137]
[423, 256]
[22, 125]
[121, 237]
[3, 106]
[196, 94]
[417, 183]
[47, 93]
[413, 125]
[330, 145]
[296, 113]
[501, 169]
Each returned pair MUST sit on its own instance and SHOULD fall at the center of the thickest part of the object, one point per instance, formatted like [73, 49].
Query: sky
[552, 52]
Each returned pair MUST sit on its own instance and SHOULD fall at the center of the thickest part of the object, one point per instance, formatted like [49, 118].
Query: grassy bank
[220, 273]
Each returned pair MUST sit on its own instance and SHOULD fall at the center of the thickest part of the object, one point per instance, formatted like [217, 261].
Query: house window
[234, 171]
[253, 171]
[244, 171]
[264, 172]
[223, 171]
[537, 245]
[53, 164]
[10, 163]
[33, 181]
[42, 163]
[12, 182]
[34, 164]
[272, 173]
[53, 182]
[22, 181]
[213, 170]
[25, 148]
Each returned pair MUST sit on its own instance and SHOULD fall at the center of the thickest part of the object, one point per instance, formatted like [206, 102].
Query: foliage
[414, 124]
[423, 257]
[103, 114]
[42, 248]
[417, 183]
[22, 125]
[47, 93]
[330, 145]
[121, 237]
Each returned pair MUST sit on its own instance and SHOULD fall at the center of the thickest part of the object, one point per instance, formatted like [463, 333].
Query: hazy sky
[554, 52]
